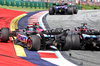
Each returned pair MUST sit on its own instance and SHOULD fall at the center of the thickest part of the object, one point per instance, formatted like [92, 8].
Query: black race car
[63, 9]
[83, 38]
[35, 38]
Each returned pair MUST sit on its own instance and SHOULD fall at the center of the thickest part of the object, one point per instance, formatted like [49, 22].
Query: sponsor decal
[59, 10]
[21, 37]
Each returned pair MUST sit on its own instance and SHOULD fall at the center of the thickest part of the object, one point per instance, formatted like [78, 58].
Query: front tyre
[51, 11]
[4, 34]
[33, 43]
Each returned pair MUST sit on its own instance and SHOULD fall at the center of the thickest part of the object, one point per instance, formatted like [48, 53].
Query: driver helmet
[30, 29]
[35, 24]
[84, 26]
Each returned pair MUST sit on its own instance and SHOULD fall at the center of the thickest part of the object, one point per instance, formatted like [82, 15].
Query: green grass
[22, 9]
[88, 7]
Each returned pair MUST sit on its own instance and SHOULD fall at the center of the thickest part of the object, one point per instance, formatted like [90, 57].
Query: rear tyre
[4, 34]
[75, 9]
[33, 43]
[68, 43]
[76, 42]
[51, 11]
[70, 11]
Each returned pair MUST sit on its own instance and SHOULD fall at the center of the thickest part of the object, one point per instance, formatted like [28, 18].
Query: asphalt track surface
[92, 18]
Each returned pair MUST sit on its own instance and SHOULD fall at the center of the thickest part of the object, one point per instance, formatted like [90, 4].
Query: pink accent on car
[29, 31]
[17, 35]
[76, 31]
[85, 29]
[39, 30]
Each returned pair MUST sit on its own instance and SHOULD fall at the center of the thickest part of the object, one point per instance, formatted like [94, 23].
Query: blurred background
[90, 2]
[36, 5]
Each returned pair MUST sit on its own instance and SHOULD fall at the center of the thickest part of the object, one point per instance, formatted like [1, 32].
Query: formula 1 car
[63, 8]
[35, 38]
[4, 34]
[84, 38]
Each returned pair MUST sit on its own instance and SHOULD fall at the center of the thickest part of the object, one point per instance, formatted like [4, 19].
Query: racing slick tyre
[51, 11]
[5, 34]
[75, 9]
[75, 42]
[68, 43]
[70, 10]
[33, 43]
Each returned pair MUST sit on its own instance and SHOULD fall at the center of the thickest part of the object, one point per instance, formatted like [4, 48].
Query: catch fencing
[26, 4]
